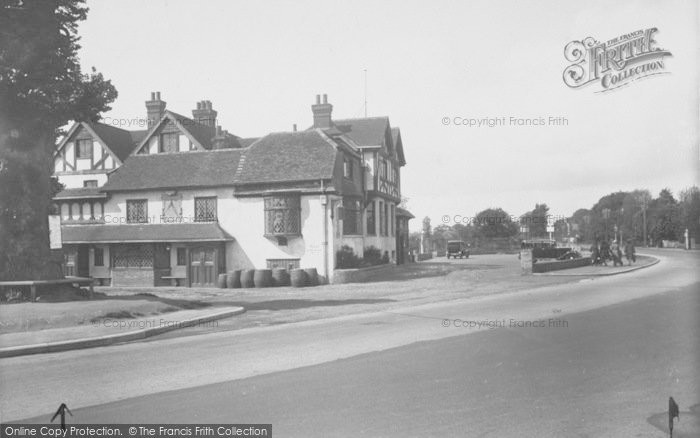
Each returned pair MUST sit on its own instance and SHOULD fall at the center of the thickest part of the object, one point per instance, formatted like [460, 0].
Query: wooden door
[203, 267]
[161, 264]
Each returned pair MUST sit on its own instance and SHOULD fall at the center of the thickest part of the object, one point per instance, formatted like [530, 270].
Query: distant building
[185, 200]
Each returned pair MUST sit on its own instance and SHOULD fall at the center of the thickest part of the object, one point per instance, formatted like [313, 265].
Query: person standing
[616, 254]
[629, 252]
[604, 251]
[595, 254]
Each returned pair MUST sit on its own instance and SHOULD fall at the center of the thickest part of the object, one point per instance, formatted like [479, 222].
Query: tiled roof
[119, 141]
[176, 170]
[202, 133]
[143, 233]
[369, 131]
[288, 157]
[403, 212]
[80, 193]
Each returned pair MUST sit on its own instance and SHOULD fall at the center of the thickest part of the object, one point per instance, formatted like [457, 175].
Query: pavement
[108, 331]
[150, 380]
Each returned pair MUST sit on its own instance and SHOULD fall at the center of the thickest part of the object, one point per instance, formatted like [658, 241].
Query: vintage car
[457, 248]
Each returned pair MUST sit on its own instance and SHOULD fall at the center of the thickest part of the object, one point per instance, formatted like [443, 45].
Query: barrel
[280, 277]
[233, 279]
[263, 278]
[298, 277]
[311, 277]
[247, 278]
[221, 281]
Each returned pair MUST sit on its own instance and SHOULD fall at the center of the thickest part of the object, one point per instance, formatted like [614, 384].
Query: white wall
[244, 219]
[76, 180]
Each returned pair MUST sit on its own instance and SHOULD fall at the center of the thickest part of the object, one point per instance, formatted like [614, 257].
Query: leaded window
[371, 219]
[205, 209]
[99, 256]
[133, 256]
[83, 149]
[352, 217]
[136, 211]
[282, 215]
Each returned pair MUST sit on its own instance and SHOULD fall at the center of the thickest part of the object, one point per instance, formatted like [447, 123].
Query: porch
[191, 255]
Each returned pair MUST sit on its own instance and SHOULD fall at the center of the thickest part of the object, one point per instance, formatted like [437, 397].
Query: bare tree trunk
[24, 206]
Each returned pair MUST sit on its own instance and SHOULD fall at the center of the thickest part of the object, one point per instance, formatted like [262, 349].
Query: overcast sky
[262, 63]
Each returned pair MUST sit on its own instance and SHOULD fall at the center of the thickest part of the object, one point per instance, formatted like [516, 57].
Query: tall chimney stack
[205, 114]
[322, 112]
[155, 108]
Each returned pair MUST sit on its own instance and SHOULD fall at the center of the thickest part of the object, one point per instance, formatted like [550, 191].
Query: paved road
[608, 371]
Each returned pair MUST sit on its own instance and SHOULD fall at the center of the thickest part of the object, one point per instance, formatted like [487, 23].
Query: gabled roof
[99, 233]
[368, 131]
[288, 157]
[201, 135]
[176, 170]
[119, 142]
[398, 145]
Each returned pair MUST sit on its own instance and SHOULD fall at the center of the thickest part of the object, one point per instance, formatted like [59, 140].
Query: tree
[42, 87]
[536, 220]
[664, 218]
[441, 234]
[494, 222]
[689, 206]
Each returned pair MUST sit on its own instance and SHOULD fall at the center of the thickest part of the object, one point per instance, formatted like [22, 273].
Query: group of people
[604, 250]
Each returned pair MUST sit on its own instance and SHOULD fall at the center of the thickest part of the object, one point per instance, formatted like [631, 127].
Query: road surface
[616, 349]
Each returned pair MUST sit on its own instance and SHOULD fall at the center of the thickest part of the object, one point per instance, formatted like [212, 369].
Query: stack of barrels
[258, 278]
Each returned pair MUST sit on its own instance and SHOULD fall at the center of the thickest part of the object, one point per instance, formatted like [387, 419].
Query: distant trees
[638, 215]
[494, 222]
[536, 220]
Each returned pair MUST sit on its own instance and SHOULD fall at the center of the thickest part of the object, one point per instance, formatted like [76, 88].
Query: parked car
[457, 248]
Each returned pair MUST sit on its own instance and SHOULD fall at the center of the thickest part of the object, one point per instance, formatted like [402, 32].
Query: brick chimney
[204, 114]
[155, 108]
[322, 112]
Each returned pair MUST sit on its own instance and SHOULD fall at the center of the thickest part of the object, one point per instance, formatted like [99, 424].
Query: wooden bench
[174, 280]
[34, 283]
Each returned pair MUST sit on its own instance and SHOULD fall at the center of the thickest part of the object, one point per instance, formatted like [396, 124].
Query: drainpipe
[324, 243]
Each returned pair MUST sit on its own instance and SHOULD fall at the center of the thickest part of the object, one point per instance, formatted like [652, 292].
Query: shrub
[372, 256]
[346, 258]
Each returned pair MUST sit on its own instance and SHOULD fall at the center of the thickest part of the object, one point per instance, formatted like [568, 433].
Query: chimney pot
[325, 98]
[153, 95]
[157, 95]
[318, 99]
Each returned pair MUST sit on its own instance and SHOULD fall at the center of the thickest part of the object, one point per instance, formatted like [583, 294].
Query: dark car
[457, 248]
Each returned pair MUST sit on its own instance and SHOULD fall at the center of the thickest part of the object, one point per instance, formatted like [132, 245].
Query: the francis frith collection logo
[616, 62]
